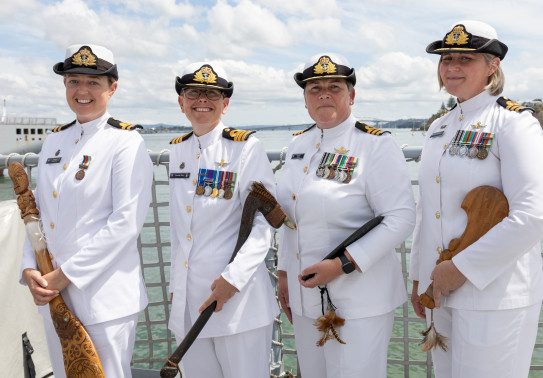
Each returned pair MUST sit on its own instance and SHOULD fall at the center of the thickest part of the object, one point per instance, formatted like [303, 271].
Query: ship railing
[30, 121]
[154, 342]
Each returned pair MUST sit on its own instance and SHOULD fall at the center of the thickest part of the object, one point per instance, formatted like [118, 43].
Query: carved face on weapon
[18, 177]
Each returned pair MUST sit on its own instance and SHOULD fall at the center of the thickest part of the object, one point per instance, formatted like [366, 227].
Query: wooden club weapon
[78, 351]
[485, 206]
[258, 199]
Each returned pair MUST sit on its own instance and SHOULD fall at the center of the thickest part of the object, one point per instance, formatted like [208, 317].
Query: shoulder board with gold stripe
[63, 127]
[236, 135]
[303, 131]
[370, 130]
[181, 138]
[122, 125]
[512, 105]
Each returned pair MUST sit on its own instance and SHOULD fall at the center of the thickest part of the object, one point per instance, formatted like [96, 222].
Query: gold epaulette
[303, 131]
[512, 105]
[370, 130]
[236, 135]
[63, 127]
[122, 125]
[181, 138]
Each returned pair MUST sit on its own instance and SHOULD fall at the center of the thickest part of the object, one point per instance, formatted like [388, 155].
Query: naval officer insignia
[181, 139]
[324, 66]
[205, 75]
[370, 130]
[122, 125]
[512, 105]
[84, 57]
[303, 131]
[237, 135]
[63, 127]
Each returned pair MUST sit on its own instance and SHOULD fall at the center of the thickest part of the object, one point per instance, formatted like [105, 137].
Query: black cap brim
[112, 71]
[227, 91]
[493, 47]
[298, 78]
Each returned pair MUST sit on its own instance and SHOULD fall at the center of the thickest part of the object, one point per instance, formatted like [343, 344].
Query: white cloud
[261, 43]
[236, 31]
[302, 8]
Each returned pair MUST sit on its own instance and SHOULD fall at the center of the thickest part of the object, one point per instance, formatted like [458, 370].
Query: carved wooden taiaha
[259, 199]
[485, 206]
[78, 352]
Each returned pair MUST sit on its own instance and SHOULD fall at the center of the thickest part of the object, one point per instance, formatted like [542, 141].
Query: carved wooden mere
[486, 206]
[78, 351]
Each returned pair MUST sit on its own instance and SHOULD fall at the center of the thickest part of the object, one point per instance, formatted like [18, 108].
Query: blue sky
[261, 44]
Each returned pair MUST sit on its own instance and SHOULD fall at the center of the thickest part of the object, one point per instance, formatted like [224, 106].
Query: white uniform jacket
[204, 232]
[503, 268]
[92, 224]
[326, 212]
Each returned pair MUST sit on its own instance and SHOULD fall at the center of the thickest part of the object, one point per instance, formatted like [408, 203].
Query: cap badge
[325, 65]
[457, 36]
[205, 75]
[84, 57]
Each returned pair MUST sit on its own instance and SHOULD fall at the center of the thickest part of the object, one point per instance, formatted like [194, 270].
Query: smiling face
[328, 101]
[465, 75]
[204, 114]
[88, 95]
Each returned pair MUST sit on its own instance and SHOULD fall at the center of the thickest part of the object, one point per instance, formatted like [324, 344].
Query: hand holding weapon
[367, 227]
[78, 351]
[485, 206]
[327, 323]
[258, 199]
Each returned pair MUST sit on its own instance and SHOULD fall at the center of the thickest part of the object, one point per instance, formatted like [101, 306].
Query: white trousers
[242, 355]
[363, 355]
[485, 344]
[113, 340]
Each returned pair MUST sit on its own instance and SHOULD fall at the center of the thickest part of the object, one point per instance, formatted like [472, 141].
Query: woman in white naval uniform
[371, 179]
[93, 190]
[489, 295]
[211, 171]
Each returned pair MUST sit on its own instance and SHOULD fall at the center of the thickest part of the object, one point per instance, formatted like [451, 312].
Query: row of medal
[216, 184]
[337, 167]
[473, 144]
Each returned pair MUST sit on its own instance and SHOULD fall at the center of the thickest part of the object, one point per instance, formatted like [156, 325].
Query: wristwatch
[346, 264]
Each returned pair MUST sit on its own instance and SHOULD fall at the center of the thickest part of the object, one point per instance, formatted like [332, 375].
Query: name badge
[297, 156]
[53, 160]
[180, 175]
[437, 134]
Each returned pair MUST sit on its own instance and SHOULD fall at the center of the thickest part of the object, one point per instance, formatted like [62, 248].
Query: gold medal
[80, 175]
[214, 193]
[482, 154]
[200, 190]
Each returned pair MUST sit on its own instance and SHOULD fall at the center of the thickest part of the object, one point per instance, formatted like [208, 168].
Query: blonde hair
[496, 81]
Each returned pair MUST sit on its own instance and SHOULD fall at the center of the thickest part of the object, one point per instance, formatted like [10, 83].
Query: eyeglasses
[211, 94]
